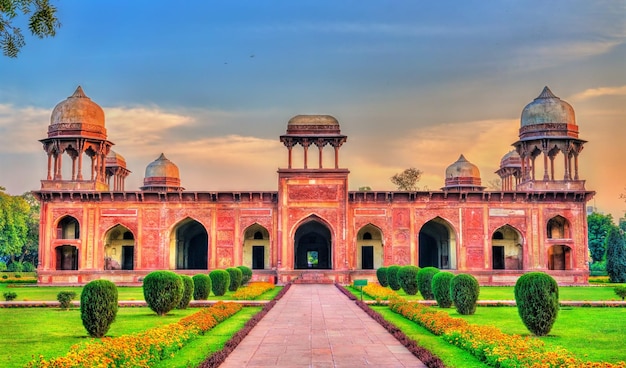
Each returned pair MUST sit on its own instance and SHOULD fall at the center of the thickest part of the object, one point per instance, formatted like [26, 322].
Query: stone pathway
[318, 326]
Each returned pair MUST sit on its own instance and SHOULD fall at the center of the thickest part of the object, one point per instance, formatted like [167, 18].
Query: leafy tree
[365, 189]
[42, 22]
[14, 221]
[616, 255]
[407, 180]
[598, 227]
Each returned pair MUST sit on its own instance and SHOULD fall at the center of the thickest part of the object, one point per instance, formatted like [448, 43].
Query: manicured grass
[199, 349]
[47, 293]
[593, 334]
[449, 354]
[51, 332]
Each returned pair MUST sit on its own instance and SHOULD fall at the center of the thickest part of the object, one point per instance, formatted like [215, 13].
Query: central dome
[313, 125]
[463, 175]
[162, 175]
[548, 109]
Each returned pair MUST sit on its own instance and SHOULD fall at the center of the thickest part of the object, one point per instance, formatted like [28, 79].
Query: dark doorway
[67, 257]
[434, 245]
[367, 257]
[258, 257]
[498, 257]
[192, 244]
[128, 257]
[313, 237]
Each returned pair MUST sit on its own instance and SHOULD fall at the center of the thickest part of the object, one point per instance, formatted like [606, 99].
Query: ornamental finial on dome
[546, 93]
[79, 93]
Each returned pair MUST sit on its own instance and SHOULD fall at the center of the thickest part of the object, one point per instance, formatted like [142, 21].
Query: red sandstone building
[312, 228]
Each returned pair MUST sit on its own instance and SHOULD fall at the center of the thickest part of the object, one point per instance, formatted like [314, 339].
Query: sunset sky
[212, 84]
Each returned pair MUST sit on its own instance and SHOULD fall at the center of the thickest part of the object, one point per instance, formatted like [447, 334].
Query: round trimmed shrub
[464, 290]
[201, 286]
[537, 299]
[98, 306]
[188, 290]
[392, 277]
[65, 299]
[407, 276]
[235, 278]
[441, 288]
[162, 291]
[220, 281]
[381, 275]
[246, 273]
[425, 280]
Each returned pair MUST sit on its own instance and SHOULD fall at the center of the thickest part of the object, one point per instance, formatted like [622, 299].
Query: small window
[367, 236]
[258, 235]
[498, 235]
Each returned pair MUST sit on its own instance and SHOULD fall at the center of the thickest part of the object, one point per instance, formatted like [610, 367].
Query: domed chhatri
[114, 158]
[162, 175]
[313, 124]
[77, 115]
[547, 109]
[463, 175]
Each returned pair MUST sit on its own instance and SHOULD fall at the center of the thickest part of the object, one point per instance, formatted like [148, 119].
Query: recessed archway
[68, 228]
[506, 249]
[190, 245]
[119, 249]
[312, 243]
[558, 228]
[559, 257]
[437, 245]
[66, 257]
[369, 248]
[256, 245]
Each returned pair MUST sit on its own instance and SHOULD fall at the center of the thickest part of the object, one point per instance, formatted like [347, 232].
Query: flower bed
[488, 343]
[379, 292]
[252, 291]
[141, 349]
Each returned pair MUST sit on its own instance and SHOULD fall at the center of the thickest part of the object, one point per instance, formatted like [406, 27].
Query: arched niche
[189, 245]
[437, 245]
[558, 227]
[256, 247]
[68, 228]
[506, 249]
[119, 249]
[369, 241]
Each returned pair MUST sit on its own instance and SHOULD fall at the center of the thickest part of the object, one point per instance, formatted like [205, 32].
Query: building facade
[312, 228]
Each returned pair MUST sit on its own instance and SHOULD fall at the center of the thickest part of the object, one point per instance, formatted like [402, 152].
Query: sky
[212, 85]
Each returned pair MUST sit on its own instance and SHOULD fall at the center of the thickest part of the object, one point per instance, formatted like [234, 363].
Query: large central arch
[437, 245]
[313, 249]
[190, 245]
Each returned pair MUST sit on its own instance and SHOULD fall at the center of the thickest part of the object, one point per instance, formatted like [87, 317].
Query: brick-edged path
[317, 326]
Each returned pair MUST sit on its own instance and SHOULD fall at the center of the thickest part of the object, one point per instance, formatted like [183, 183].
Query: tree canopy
[616, 255]
[598, 227]
[42, 22]
[407, 180]
[19, 228]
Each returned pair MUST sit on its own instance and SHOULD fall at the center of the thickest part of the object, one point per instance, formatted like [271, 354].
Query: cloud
[21, 127]
[599, 92]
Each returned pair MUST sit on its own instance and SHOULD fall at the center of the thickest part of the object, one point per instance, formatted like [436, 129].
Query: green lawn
[47, 293]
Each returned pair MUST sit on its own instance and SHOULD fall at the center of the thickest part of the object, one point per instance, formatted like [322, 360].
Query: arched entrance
[437, 245]
[66, 257]
[369, 248]
[559, 257]
[506, 249]
[119, 249]
[191, 244]
[312, 244]
[256, 247]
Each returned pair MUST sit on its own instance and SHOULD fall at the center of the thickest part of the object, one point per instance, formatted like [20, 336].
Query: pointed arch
[558, 227]
[189, 245]
[437, 244]
[313, 244]
[507, 248]
[256, 247]
[369, 241]
[68, 227]
[119, 248]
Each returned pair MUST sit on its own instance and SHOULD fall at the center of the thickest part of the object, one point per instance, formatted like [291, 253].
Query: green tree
[598, 227]
[14, 225]
[616, 255]
[42, 22]
[407, 180]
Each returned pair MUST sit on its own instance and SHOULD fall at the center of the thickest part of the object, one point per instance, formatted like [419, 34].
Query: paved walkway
[318, 326]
